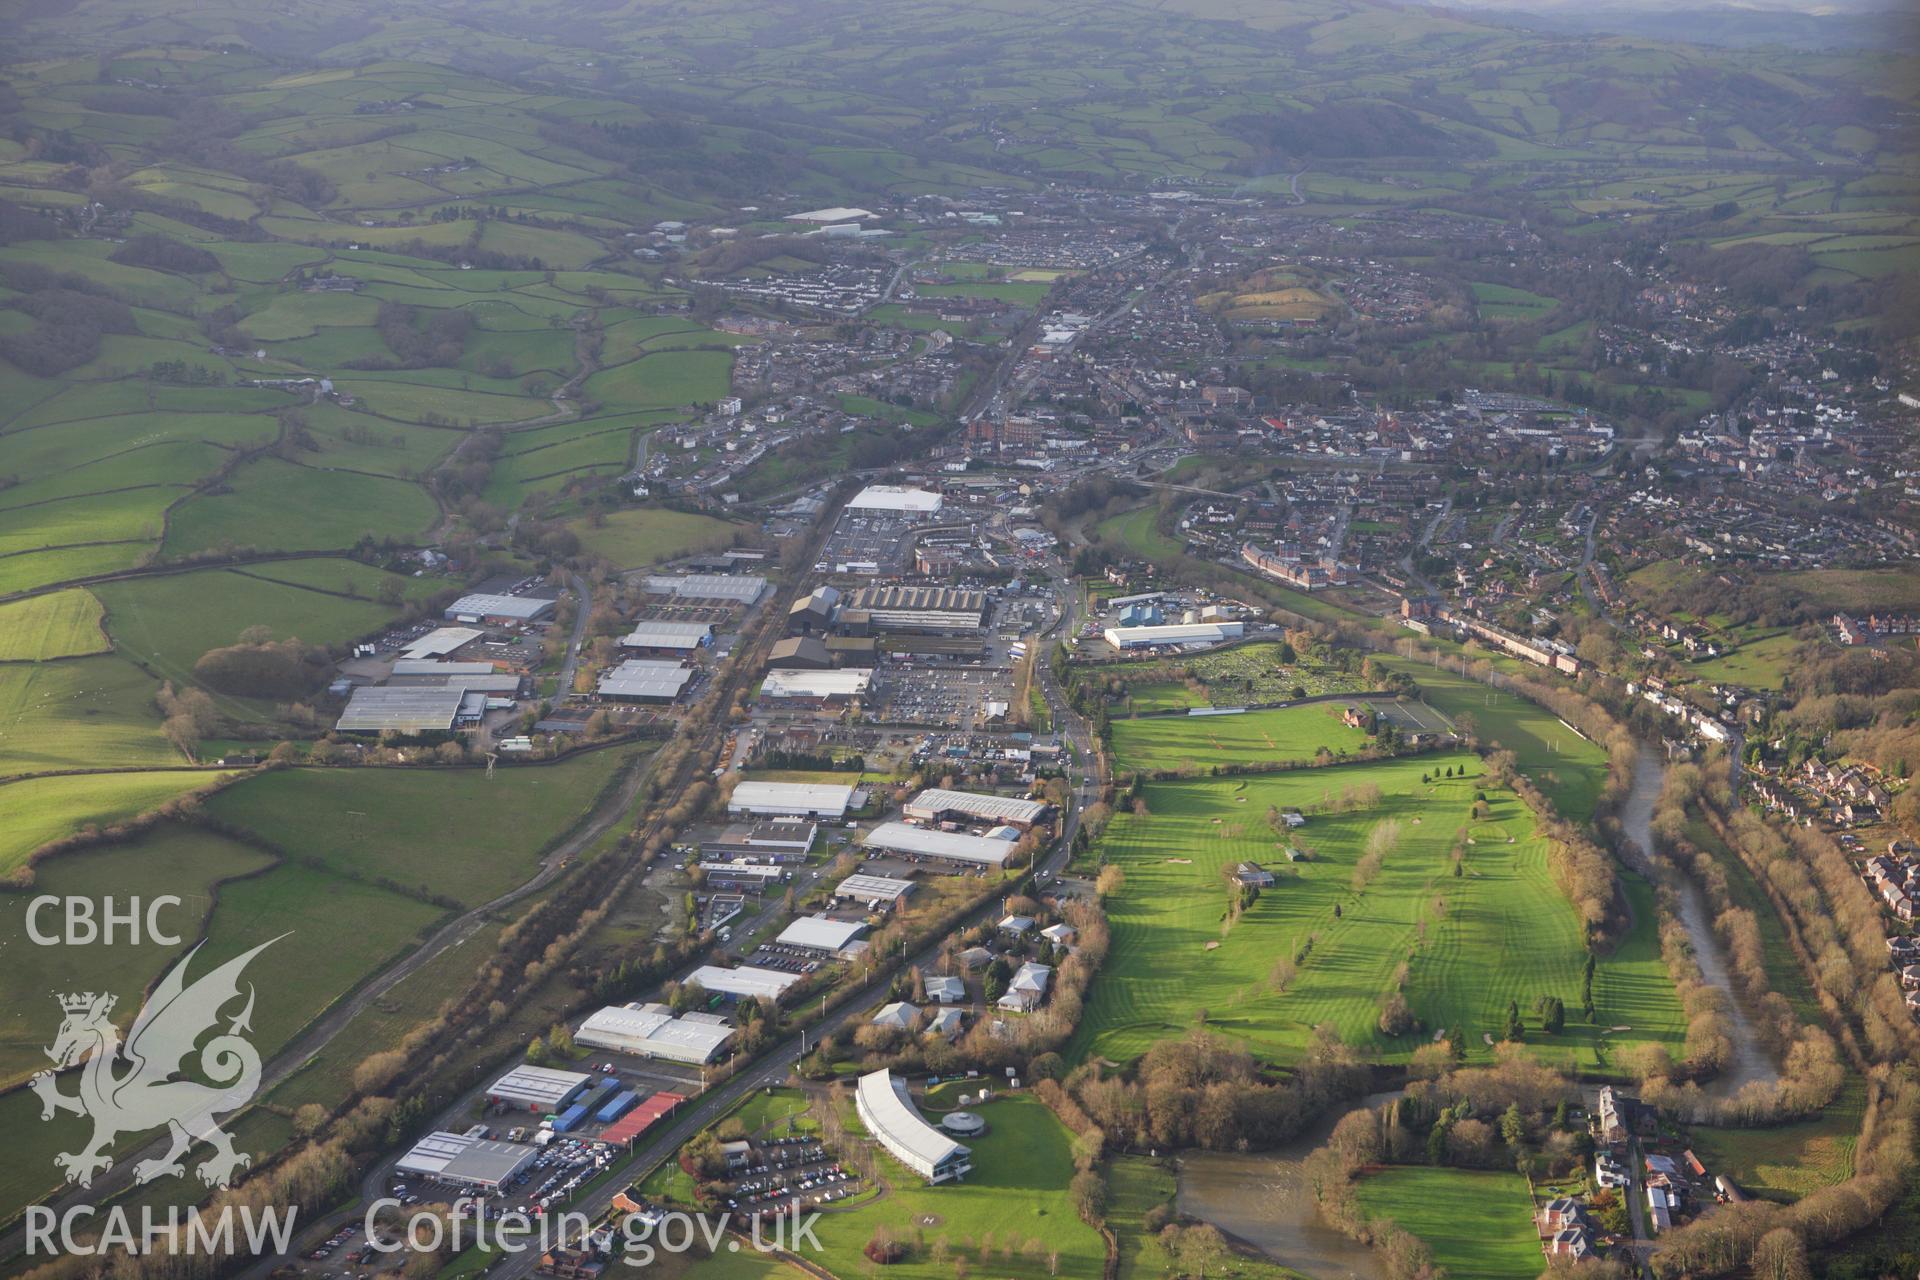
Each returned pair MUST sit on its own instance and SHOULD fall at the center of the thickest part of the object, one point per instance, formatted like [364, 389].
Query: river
[1750, 1062]
[1263, 1200]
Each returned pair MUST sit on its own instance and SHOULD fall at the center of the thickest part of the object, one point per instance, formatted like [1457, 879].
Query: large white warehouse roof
[1174, 633]
[653, 1030]
[899, 837]
[895, 497]
[747, 980]
[811, 799]
[935, 801]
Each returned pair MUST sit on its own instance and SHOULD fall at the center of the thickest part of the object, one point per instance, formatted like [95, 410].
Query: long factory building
[937, 804]
[950, 847]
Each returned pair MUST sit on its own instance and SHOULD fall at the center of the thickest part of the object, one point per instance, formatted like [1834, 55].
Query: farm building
[652, 1031]
[436, 709]
[725, 588]
[537, 1088]
[933, 610]
[655, 635]
[890, 1116]
[1251, 875]
[1174, 633]
[644, 680]
[466, 1160]
[747, 980]
[947, 847]
[776, 841]
[791, 799]
[895, 498]
[499, 610]
[817, 686]
[936, 804]
[877, 892]
[821, 934]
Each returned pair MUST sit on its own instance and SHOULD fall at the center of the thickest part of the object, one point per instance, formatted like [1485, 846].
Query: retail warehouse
[791, 799]
[950, 847]
[896, 498]
[787, 684]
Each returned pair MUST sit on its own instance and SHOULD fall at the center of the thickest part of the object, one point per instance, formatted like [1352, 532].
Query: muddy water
[1750, 1061]
[1264, 1200]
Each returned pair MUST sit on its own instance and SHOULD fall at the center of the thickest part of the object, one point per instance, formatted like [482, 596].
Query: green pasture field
[451, 833]
[666, 380]
[35, 811]
[65, 624]
[1757, 664]
[277, 506]
[79, 713]
[1786, 1162]
[1255, 737]
[1505, 934]
[359, 442]
[1017, 1191]
[43, 568]
[410, 395]
[1136, 532]
[166, 623]
[639, 536]
[132, 516]
[1478, 1223]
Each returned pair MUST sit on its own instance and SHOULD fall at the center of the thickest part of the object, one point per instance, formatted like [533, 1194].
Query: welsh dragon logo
[131, 1087]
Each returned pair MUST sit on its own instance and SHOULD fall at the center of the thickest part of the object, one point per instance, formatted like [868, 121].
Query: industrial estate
[1266, 639]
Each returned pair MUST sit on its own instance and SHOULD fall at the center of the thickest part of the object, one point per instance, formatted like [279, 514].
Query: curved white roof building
[891, 1117]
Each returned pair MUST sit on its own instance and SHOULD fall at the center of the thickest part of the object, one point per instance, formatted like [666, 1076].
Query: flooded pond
[1263, 1199]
